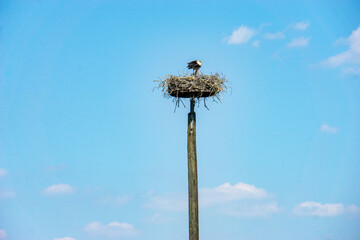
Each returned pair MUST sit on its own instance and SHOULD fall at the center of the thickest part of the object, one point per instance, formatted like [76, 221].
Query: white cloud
[301, 26]
[158, 218]
[256, 43]
[338, 59]
[113, 230]
[328, 129]
[350, 58]
[52, 168]
[59, 189]
[7, 194]
[115, 200]
[352, 70]
[64, 238]
[299, 42]
[168, 202]
[252, 210]
[3, 172]
[273, 36]
[240, 199]
[241, 35]
[353, 209]
[224, 193]
[324, 210]
[3, 234]
[227, 193]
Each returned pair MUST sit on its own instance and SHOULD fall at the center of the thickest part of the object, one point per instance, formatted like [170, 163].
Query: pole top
[192, 105]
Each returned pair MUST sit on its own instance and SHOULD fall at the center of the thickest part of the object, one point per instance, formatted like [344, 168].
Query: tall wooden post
[192, 178]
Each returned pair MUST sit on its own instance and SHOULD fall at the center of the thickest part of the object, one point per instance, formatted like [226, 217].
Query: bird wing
[192, 64]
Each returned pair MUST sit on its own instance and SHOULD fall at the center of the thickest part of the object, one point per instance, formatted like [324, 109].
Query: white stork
[195, 65]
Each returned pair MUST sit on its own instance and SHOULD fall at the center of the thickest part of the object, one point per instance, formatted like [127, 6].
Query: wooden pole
[192, 178]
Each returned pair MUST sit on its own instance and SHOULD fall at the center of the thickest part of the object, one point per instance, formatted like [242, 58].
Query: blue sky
[89, 151]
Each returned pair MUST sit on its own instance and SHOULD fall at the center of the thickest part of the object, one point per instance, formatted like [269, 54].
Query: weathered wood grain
[192, 178]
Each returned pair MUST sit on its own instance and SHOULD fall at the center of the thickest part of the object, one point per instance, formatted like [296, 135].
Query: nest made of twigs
[199, 87]
[191, 86]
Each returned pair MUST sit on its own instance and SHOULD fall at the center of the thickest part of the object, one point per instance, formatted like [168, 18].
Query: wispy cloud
[301, 26]
[113, 230]
[328, 129]
[252, 210]
[274, 36]
[241, 35]
[168, 202]
[3, 235]
[338, 59]
[3, 172]
[65, 238]
[349, 59]
[256, 43]
[241, 200]
[58, 189]
[324, 210]
[158, 218]
[7, 193]
[53, 168]
[299, 42]
[225, 193]
[120, 200]
[228, 193]
[352, 70]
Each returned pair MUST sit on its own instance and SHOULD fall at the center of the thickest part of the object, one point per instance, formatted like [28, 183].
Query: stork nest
[189, 86]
